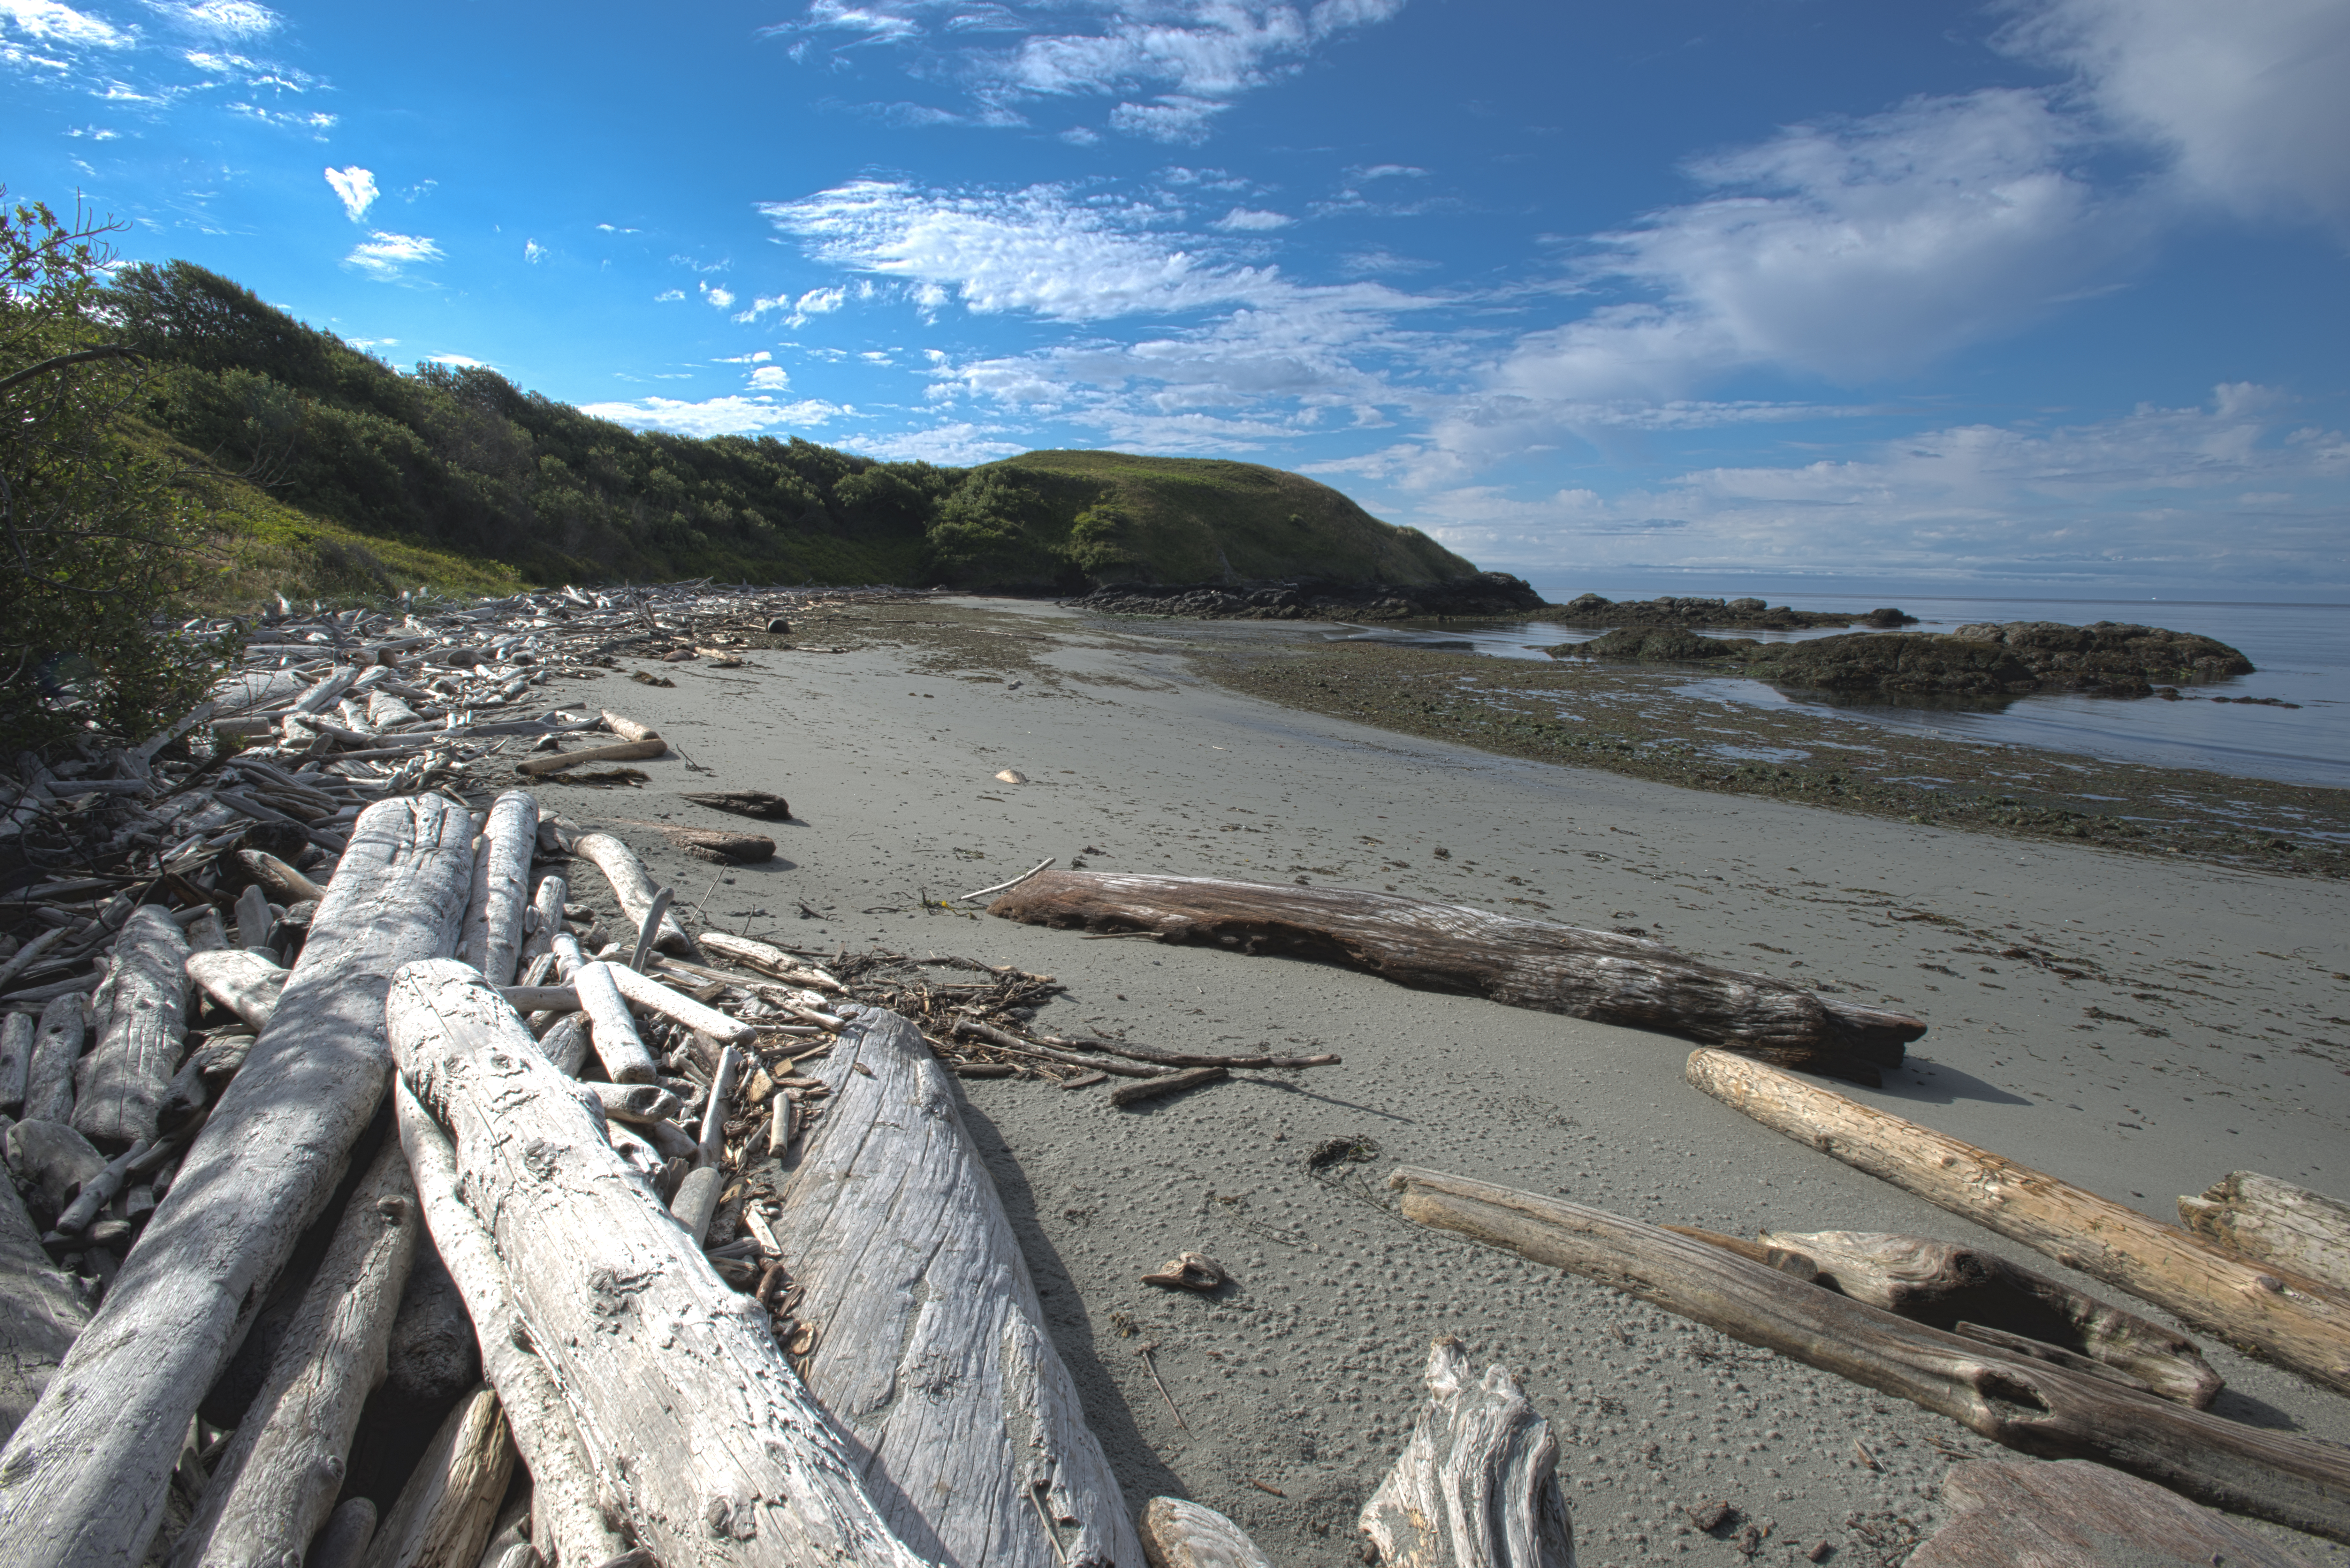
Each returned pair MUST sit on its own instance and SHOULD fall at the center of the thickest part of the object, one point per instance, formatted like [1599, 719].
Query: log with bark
[1949, 1286]
[756, 803]
[2265, 1220]
[1477, 1486]
[1597, 975]
[2074, 1514]
[492, 934]
[2294, 1323]
[1178, 1533]
[631, 887]
[2014, 1400]
[84, 1478]
[892, 1224]
[717, 1451]
[274, 1487]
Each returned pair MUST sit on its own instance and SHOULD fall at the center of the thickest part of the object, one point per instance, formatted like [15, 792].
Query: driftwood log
[756, 803]
[83, 1479]
[2292, 1321]
[770, 959]
[2265, 1220]
[444, 1514]
[41, 1311]
[893, 1226]
[629, 729]
[674, 1380]
[274, 1487]
[1477, 1487]
[619, 751]
[15, 1060]
[119, 1088]
[1178, 1533]
[2014, 1400]
[632, 886]
[723, 848]
[492, 934]
[643, 991]
[247, 983]
[2074, 1514]
[1597, 975]
[610, 1028]
[57, 1047]
[567, 1496]
[1936, 1282]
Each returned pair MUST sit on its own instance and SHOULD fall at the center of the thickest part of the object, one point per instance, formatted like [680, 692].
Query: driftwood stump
[1599, 975]
[756, 803]
[1179, 1534]
[892, 1224]
[2265, 1220]
[1477, 1487]
[2074, 1514]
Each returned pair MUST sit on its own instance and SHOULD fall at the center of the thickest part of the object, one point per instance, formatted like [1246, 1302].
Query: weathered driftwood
[643, 991]
[620, 752]
[546, 918]
[712, 1144]
[1167, 1083]
[2014, 1400]
[723, 848]
[566, 1044]
[2074, 1514]
[771, 960]
[444, 1512]
[23, 957]
[206, 934]
[627, 728]
[566, 1492]
[756, 803]
[99, 1190]
[15, 1060]
[492, 934]
[51, 1160]
[1004, 1040]
[718, 1452]
[541, 998]
[343, 1544]
[254, 923]
[41, 1311]
[119, 1088]
[696, 1201]
[1599, 975]
[1193, 1058]
[57, 1046]
[631, 887]
[636, 1101]
[2296, 1324]
[1178, 1533]
[2265, 1220]
[275, 1484]
[1937, 1283]
[268, 871]
[610, 1030]
[1477, 1487]
[247, 983]
[83, 1480]
[893, 1226]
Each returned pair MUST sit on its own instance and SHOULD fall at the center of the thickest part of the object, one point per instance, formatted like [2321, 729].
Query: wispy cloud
[227, 18]
[732, 415]
[388, 256]
[533, 252]
[958, 445]
[356, 187]
[1251, 220]
[61, 26]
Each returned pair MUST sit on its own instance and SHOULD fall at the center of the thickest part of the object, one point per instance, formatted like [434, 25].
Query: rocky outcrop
[1741, 615]
[1487, 593]
[1981, 661]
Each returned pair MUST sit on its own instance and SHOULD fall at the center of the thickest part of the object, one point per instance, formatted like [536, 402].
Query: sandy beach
[2201, 1028]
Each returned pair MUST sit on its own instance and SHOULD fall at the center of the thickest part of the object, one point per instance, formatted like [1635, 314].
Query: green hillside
[333, 474]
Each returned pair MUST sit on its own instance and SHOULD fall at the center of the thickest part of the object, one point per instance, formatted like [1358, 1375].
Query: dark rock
[1486, 594]
[779, 627]
[1744, 614]
[1639, 643]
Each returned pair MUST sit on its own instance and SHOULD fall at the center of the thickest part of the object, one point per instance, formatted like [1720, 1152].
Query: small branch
[61, 361]
[1000, 887]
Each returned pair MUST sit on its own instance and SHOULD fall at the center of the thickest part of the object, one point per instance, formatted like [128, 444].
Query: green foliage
[96, 537]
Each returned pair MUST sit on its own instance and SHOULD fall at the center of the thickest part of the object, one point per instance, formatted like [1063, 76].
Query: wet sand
[2170, 1019]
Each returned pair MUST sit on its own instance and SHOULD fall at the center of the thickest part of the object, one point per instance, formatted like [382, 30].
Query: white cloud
[770, 378]
[533, 252]
[1250, 220]
[1387, 172]
[958, 445]
[62, 26]
[387, 256]
[229, 18]
[357, 187]
[669, 295]
[462, 361]
[816, 302]
[723, 298]
[732, 415]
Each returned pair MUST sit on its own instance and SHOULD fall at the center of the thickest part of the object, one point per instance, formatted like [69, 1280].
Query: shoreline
[2168, 1019]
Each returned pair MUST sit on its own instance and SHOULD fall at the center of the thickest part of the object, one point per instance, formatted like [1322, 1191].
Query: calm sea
[2303, 652]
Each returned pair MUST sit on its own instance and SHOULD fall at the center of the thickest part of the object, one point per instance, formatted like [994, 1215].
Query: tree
[95, 536]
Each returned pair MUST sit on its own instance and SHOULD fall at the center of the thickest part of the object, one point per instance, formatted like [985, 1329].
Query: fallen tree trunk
[2073, 1512]
[2265, 1220]
[643, 991]
[631, 887]
[2014, 1400]
[2291, 1322]
[492, 934]
[620, 752]
[1944, 1285]
[673, 1378]
[1178, 1533]
[119, 1088]
[1597, 975]
[247, 983]
[273, 1489]
[41, 1311]
[893, 1226]
[83, 1480]
[1477, 1487]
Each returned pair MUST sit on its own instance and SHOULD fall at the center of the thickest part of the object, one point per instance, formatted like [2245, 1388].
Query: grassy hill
[332, 475]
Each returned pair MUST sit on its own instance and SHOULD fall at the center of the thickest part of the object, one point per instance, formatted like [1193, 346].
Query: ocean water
[2303, 652]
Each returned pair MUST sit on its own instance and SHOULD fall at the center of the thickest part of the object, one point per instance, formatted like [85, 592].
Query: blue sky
[2042, 292]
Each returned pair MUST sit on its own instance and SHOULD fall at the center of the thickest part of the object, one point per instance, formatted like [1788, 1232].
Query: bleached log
[206, 934]
[290, 885]
[894, 1227]
[610, 1030]
[501, 887]
[546, 919]
[541, 998]
[445, 1513]
[771, 960]
[1477, 1487]
[636, 1101]
[643, 991]
[57, 1046]
[674, 1379]
[15, 1060]
[2075, 1514]
[1179, 1534]
[1935, 1282]
[119, 1088]
[51, 1161]
[567, 1496]
[627, 728]
[2294, 1323]
[247, 983]
[622, 751]
[1599, 975]
[632, 885]
[566, 1044]
[41, 1311]
[2014, 1400]
[2265, 1220]
[697, 1202]
[83, 1480]
[275, 1485]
